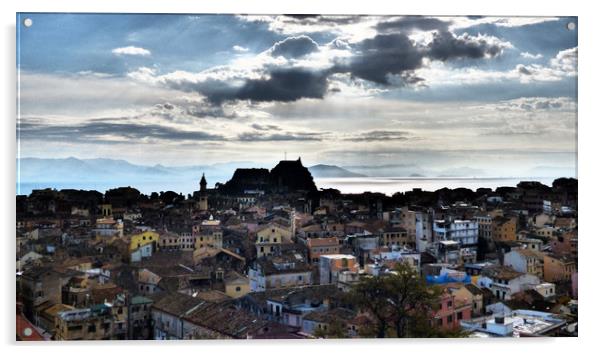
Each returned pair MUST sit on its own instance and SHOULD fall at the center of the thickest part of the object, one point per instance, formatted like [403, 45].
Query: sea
[385, 185]
[392, 185]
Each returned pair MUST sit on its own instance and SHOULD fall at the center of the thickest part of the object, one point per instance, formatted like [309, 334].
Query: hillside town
[269, 255]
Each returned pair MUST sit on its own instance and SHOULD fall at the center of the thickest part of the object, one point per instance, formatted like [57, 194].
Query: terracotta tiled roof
[320, 242]
[26, 331]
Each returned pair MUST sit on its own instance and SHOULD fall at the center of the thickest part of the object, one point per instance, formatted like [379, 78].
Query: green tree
[371, 295]
[412, 301]
[400, 303]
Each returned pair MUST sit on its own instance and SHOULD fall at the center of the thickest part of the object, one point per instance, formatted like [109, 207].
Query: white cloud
[566, 60]
[240, 49]
[515, 21]
[528, 55]
[564, 64]
[537, 104]
[131, 50]
[351, 28]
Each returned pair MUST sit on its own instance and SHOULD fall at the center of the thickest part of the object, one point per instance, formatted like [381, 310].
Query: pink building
[451, 311]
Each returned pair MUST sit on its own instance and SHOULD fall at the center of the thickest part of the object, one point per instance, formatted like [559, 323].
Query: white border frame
[589, 50]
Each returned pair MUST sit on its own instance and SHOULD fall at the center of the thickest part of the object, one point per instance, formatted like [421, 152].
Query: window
[459, 316]
[91, 328]
[450, 318]
[238, 288]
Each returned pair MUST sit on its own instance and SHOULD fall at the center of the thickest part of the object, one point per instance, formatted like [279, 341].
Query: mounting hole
[571, 26]
[27, 22]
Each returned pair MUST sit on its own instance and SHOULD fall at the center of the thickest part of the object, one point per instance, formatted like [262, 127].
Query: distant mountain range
[331, 171]
[35, 170]
[105, 173]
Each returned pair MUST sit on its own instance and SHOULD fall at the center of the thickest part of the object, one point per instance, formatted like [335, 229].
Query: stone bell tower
[203, 205]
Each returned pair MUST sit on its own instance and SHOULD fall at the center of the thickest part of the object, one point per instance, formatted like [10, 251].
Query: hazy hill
[331, 171]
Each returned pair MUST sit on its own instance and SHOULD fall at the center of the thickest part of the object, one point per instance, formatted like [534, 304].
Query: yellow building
[270, 237]
[236, 285]
[208, 234]
[169, 240]
[503, 229]
[143, 239]
[93, 323]
[469, 293]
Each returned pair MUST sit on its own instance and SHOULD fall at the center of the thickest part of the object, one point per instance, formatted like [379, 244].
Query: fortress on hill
[286, 177]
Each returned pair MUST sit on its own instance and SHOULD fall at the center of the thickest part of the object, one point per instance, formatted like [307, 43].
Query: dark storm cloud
[446, 46]
[409, 23]
[294, 47]
[385, 56]
[381, 56]
[285, 86]
[257, 136]
[279, 84]
[103, 132]
[380, 135]
[387, 59]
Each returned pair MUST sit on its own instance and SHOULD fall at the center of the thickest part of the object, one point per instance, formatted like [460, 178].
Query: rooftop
[501, 272]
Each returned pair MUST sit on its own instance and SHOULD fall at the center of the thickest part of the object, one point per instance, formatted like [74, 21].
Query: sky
[434, 95]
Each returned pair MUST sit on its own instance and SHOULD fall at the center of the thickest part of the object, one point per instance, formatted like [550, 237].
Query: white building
[333, 264]
[547, 290]
[424, 231]
[144, 251]
[516, 323]
[278, 274]
[525, 261]
[466, 232]
[505, 281]
[108, 227]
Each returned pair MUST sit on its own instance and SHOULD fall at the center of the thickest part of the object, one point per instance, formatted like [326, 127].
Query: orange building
[558, 268]
[503, 228]
[322, 246]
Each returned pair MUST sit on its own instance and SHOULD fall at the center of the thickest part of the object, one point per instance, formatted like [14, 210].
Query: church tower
[203, 205]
